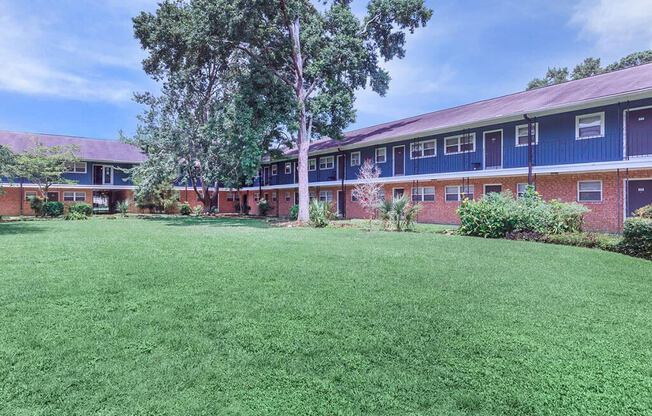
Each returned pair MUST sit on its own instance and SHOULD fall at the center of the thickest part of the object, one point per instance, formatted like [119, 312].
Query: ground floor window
[496, 189]
[326, 196]
[520, 189]
[423, 194]
[459, 192]
[74, 196]
[398, 193]
[287, 197]
[589, 191]
[29, 195]
[274, 197]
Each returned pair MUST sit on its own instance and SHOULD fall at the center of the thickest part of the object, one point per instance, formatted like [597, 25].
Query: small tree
[6, 165]
[367, 191]
[44, 166]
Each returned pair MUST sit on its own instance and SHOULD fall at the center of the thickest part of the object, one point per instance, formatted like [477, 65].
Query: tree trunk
[304, 146]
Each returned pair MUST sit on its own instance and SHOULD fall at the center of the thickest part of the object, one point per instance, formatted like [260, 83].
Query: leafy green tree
[321, 54]
[588, 68]
[6, 165]
[633, 59]
[553, 76]
[44, 166]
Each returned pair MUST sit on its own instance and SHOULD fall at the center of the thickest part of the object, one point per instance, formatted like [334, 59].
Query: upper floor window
[274, 169]
[77, 167]
[459, 192]
[355, 159]
[427, 148]
[522, 134]
[589, 125]
[460, 144]
[288, 168]
[381, 155]
[326, 162]
[589, 191]
[312, 164]
[423, 193]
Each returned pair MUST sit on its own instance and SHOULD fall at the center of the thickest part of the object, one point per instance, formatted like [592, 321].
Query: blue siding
[119, 178]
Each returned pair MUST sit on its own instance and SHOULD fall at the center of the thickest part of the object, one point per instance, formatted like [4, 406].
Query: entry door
[341, 166]
[53, 196]
[493, 150]
[399, 161]
[341, 201]
[266, 175]
[639, 194]
[639, 132]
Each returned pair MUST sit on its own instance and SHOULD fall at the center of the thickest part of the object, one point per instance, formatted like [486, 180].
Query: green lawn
[223, 316]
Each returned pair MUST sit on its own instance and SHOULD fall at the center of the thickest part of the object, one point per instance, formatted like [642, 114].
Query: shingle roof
[597, 87]
[89, 149]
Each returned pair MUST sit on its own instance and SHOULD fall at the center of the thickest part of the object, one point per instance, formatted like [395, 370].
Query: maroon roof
[597, 87]
[89, 149]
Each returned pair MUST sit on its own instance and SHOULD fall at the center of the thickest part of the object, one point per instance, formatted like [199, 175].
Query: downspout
[343, 214]
[529, 148]
[618, 188]
[22, 197]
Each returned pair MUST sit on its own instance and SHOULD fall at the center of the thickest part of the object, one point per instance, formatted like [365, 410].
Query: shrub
[399, 213]
[264, 207]
[36, 203]
[198, 209]
[185, 209]
[53, 208]
[294, 212]
[496, 215]
[637, 238]
[82, 208]
[75, 216]
[170, 206]
[123, 207]
[590, 240]
[644, 212]
[320, 213]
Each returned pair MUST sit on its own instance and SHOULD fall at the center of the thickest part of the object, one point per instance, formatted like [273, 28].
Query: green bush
[185, 209]
[590, 240]
[82, 208]
[399, 213]
[198, 209]
[644, 212]
[53, 208]
[637, 238]
[320, 213]
[75, 216]
[264, 207]
[294, 212]
[36, 203]
[496, 215]
[123, 207]
[170, 206]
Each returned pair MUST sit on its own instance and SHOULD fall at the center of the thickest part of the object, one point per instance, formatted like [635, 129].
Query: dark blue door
[639, 194]
[639, 132]
[399, 161]
[493, 149]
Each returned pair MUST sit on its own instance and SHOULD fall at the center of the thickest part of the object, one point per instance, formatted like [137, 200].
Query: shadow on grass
[13, 228]
[209, 221]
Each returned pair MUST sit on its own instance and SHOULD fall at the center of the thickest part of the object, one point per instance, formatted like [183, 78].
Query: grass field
[224, 316]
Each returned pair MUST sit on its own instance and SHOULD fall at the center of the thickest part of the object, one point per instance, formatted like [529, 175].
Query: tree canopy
[589, 67]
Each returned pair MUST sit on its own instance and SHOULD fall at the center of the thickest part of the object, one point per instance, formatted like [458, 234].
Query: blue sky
[70, 66]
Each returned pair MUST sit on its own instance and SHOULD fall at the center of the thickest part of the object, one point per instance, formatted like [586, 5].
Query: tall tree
[588, 68]
[633, 59]
[553, 76]
[44, 166]
[6, 166]
[321, 54]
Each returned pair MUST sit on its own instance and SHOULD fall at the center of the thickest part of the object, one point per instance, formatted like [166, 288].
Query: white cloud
[39, 58]
[616, 27]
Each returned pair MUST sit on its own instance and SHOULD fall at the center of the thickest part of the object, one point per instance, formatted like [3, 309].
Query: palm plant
[399, 212]
[123, 207]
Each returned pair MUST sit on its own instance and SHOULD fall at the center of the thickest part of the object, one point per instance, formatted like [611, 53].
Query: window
[288, 168]
[589, 191]
[493, 189]
[274, 169]
[398, 193]
[296, 198]
[77, 167]
[520, 189]
[463, 143]
[423, 149]
[459, 192]
[423, 194]
[30, 194]
[381, 155]
[522, 132]
[74, 196]
[326, 162]
[287, 197]
[256, 197]
[355, 159]
[311, 196]
[353, 197]
[274, 197]
[312, 164]
[326, 196]
[229, 196]
[589, 125]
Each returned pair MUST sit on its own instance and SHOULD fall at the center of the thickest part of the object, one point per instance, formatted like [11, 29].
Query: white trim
[577, 125]
[274, 169]
[484, 148]
[484, 187]
[601, 191]
[460, 191]
[394, 160]
[74, 165]
[637, 163]
[54, 192]
[525, 188]
[331, 157]
[459, 143]
[398, 187]
[359, 158]
[376, 154]
[422, 194]
[285, 168]
[31, 192]
[326, 191]
[536, 134]
[103, 167]
[314, 168]
[422, 143]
